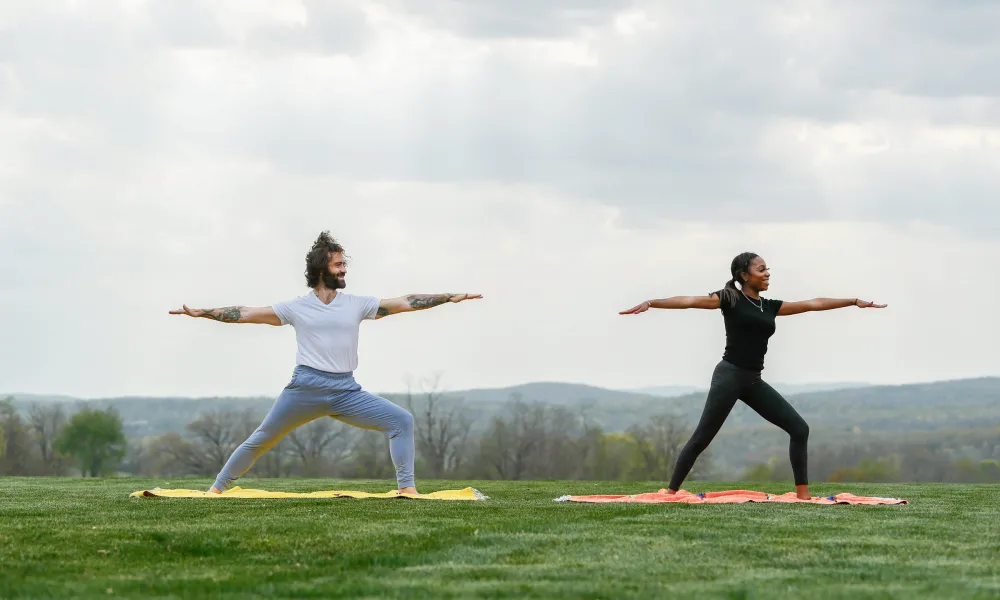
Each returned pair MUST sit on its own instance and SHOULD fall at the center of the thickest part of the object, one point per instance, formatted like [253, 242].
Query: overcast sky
[565, 159]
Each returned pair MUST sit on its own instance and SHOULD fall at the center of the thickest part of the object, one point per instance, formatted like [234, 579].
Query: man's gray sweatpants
[312, 394]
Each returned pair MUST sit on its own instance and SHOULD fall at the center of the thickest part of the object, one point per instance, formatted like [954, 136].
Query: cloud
[187, 24]
[562, 157]
[513, 19]
[324, 28]
[925, 48]
[670, 111]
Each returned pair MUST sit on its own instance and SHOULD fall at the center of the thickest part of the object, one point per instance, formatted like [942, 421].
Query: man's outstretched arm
[233, 314]
[414, 302]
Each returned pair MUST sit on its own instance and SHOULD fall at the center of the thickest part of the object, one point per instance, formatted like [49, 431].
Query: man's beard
[332, 282]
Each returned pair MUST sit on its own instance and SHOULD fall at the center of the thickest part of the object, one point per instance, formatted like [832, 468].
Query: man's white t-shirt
[327, 334]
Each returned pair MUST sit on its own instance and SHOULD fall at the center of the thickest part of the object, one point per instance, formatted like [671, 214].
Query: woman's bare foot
[408, 490]
[802, 492]
[214, 490]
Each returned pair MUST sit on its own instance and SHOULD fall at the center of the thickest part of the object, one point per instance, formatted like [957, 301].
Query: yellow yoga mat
[238, 492]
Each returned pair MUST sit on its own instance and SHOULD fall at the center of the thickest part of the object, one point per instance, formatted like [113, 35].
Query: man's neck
[325, 294]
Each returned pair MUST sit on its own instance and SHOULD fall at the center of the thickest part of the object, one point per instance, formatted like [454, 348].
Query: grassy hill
[87, 538]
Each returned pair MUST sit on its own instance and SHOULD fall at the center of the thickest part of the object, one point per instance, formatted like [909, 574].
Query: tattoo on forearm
[229, 314]
[383, 311]
[421, 301]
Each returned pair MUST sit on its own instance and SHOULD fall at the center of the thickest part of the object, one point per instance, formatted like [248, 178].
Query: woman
[749, 322]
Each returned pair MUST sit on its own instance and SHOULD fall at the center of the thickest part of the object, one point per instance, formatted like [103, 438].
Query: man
[326, 323]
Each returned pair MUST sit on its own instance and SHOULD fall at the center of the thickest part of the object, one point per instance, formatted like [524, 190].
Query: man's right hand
[191, 312]
[230, 314]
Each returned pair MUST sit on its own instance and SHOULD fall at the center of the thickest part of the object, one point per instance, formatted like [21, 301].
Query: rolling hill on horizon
[851, 416]
[955, 403]
[553, 392]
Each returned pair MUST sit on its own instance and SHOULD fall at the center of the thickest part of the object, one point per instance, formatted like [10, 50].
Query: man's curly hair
[318, 259]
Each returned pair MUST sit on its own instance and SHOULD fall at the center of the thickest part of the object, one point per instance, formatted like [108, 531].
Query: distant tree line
[526, 440]
[940, 456]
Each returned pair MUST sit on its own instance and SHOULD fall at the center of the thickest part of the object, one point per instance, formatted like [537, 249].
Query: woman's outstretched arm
[706, 302]
[816, 304]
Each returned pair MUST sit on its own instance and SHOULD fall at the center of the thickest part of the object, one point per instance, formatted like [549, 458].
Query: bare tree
[217, 434]
[369, 459]
[172, 455]
[277, 462]
[659, 444]
[565, 446]
[324, 439]
[510, 443]
[441, 428]
[587, 446]
[45, 422]
[16, 452]
[210, 440]
[138, 459]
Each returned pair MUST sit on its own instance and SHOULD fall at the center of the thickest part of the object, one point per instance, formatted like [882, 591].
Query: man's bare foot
[408, 490]
[802, 492]
[214, 490]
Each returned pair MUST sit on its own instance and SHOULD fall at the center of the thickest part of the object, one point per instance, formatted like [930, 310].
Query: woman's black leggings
[729, 384]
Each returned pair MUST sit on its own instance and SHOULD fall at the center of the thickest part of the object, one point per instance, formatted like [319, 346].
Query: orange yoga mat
[728, 497]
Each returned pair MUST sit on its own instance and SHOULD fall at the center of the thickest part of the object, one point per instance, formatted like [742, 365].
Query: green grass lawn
[74, 538]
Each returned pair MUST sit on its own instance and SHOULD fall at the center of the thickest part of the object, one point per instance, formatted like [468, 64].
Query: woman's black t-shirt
[748, 328]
